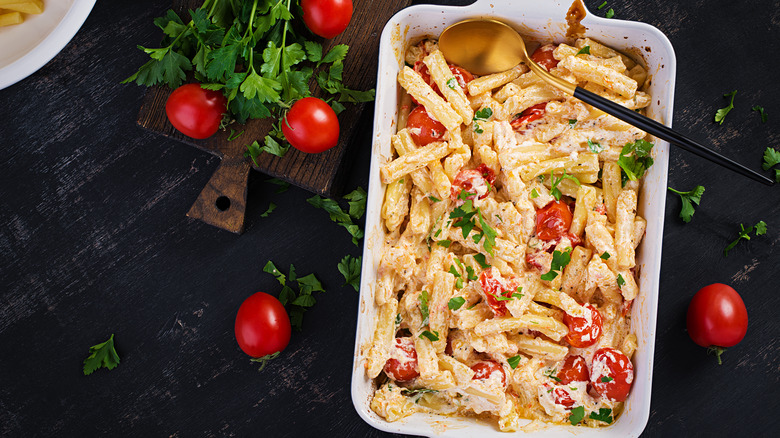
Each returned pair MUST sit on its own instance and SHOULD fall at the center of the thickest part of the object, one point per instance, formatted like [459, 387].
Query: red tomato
[311, 125]
[529, 115]
[562, 397]
[544, 56]
[475, 181]
[326, 18]
[574, 369]
[262, 325]
[485, 370]
[195, 112]
[581, 332]
[424, 128]
[406, 369]
[494, 286]
[611, 374]
[462, 75]
[553, 220]
[717, 317]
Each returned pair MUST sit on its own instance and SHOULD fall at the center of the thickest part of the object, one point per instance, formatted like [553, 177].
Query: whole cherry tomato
[717, 318]
[485, 370]
[529, 115]
[311, 125]
[583, 333]
[195, 112]
[574, 369]
[327, 18]
[262, 325]
[553, 220]
[423, 128]
[611, 374]
[405, 369]
[544, 56]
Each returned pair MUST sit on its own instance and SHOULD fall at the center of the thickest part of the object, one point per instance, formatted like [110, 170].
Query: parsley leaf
[604, 414]
[357, 202]
[534, 194]
[688, 199]
[283, 185]
[552, 374]
[583, 51]
[635, 159]
[744, 233]
[760, 228]
[456, 303]
[356, 208]
[578, 413]
[605, 256]
[610, 13]
[424, 307]
[606, 379]
[433, 337]
[452, 83]
[483, 114]
[620, 280]
[350, 268]
[720, 115]
[480, 258]
[102, 355]
[601, 6]
[595, 147]
[296, 303]
[271, 208]
[559, 261]
[514, 361]
[771, 158]
[554, 190]
[761, 111]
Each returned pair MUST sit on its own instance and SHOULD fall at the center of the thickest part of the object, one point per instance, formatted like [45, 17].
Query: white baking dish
[543, 21]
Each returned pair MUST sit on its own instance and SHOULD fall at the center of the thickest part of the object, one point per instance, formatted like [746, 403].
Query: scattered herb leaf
[761, 111]
[559, 261]
[720, 115]
[456, 303]
[514, 361]
[102, 355]
[433, 337]
[350, 268]
[688, 199]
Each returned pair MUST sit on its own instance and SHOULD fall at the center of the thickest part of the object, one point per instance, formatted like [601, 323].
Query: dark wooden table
[94, 241]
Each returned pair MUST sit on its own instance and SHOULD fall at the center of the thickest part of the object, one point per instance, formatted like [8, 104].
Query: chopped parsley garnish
[350, 268]
[456, 303]
[269, 210]
[534, 194]
[635, 159]
[601, 6]
[431, 336]
[605, 256]
[583, 51]
[478, 129]
[744, 233]
[554, 190]
[761, 111]
[297, 302]
[605, 415]
[551, 373]
[433, 198]
[595, 147]
[452, 83]
[688, 199]
[411, 392]
[464, 219]
[424, 307]
[397, 319]
[610, 13]
[483, 114]
[445, 243]
[514, 361]
[620, 280]
[720, 115]
[511, 297]
[578, 413]
[470, 274]
[772, 157]
[102, 355]
[606, 379]
[559, 261]
[573, 122]
[480, 258]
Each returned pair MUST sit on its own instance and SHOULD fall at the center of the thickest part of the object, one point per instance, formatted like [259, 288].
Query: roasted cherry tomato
[581, 332]
[544, 56]
[262, 325]
[485, 370]
[717, 318]
[553, 220]
[574, 369]
[476, 183]
[562, 397]
[195, 112]
[404, 368]
[462, 75]
[326, 18]
[493, 286]
[424, 128]
[529, 115]
[311, 125]
[611, 374]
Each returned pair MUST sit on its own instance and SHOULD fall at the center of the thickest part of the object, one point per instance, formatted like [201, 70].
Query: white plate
[543, 21]
[26, 47]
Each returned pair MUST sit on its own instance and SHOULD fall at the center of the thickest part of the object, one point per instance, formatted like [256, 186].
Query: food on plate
[11, 10]
[508, 267]
[194, 111]
[717, 318]
[311, 125]
[262, 327]
[326, 18]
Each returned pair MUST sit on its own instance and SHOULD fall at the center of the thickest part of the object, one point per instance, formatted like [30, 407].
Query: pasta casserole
[510, 221]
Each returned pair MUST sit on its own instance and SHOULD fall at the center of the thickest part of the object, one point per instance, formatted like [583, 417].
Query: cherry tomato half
[195, 112]
[311, 125]
[553, 220]
[262, 325]
[485, 370]
[535, 112]
[405, 369]
[327, 18]
[611, 374]
[423, 128]
[494, 286]
[562, 397]
[717, 317]
[583, 333]
[544, 56]
[574, 369]
[475, 182]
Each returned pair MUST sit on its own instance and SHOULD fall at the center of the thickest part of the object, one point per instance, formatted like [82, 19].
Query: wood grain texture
[318, 173]
[93, 241]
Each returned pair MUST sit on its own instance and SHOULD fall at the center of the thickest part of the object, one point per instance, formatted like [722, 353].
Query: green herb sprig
[688, 199]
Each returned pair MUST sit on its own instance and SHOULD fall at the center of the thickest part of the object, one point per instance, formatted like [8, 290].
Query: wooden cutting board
[222, 202]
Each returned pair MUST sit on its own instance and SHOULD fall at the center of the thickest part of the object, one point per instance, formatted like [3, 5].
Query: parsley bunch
[251, 51]
[297, 302]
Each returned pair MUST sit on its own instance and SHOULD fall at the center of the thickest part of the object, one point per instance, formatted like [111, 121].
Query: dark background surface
[94, 241]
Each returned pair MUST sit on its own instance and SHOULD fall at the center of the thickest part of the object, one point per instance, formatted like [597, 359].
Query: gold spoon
[484, 46]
